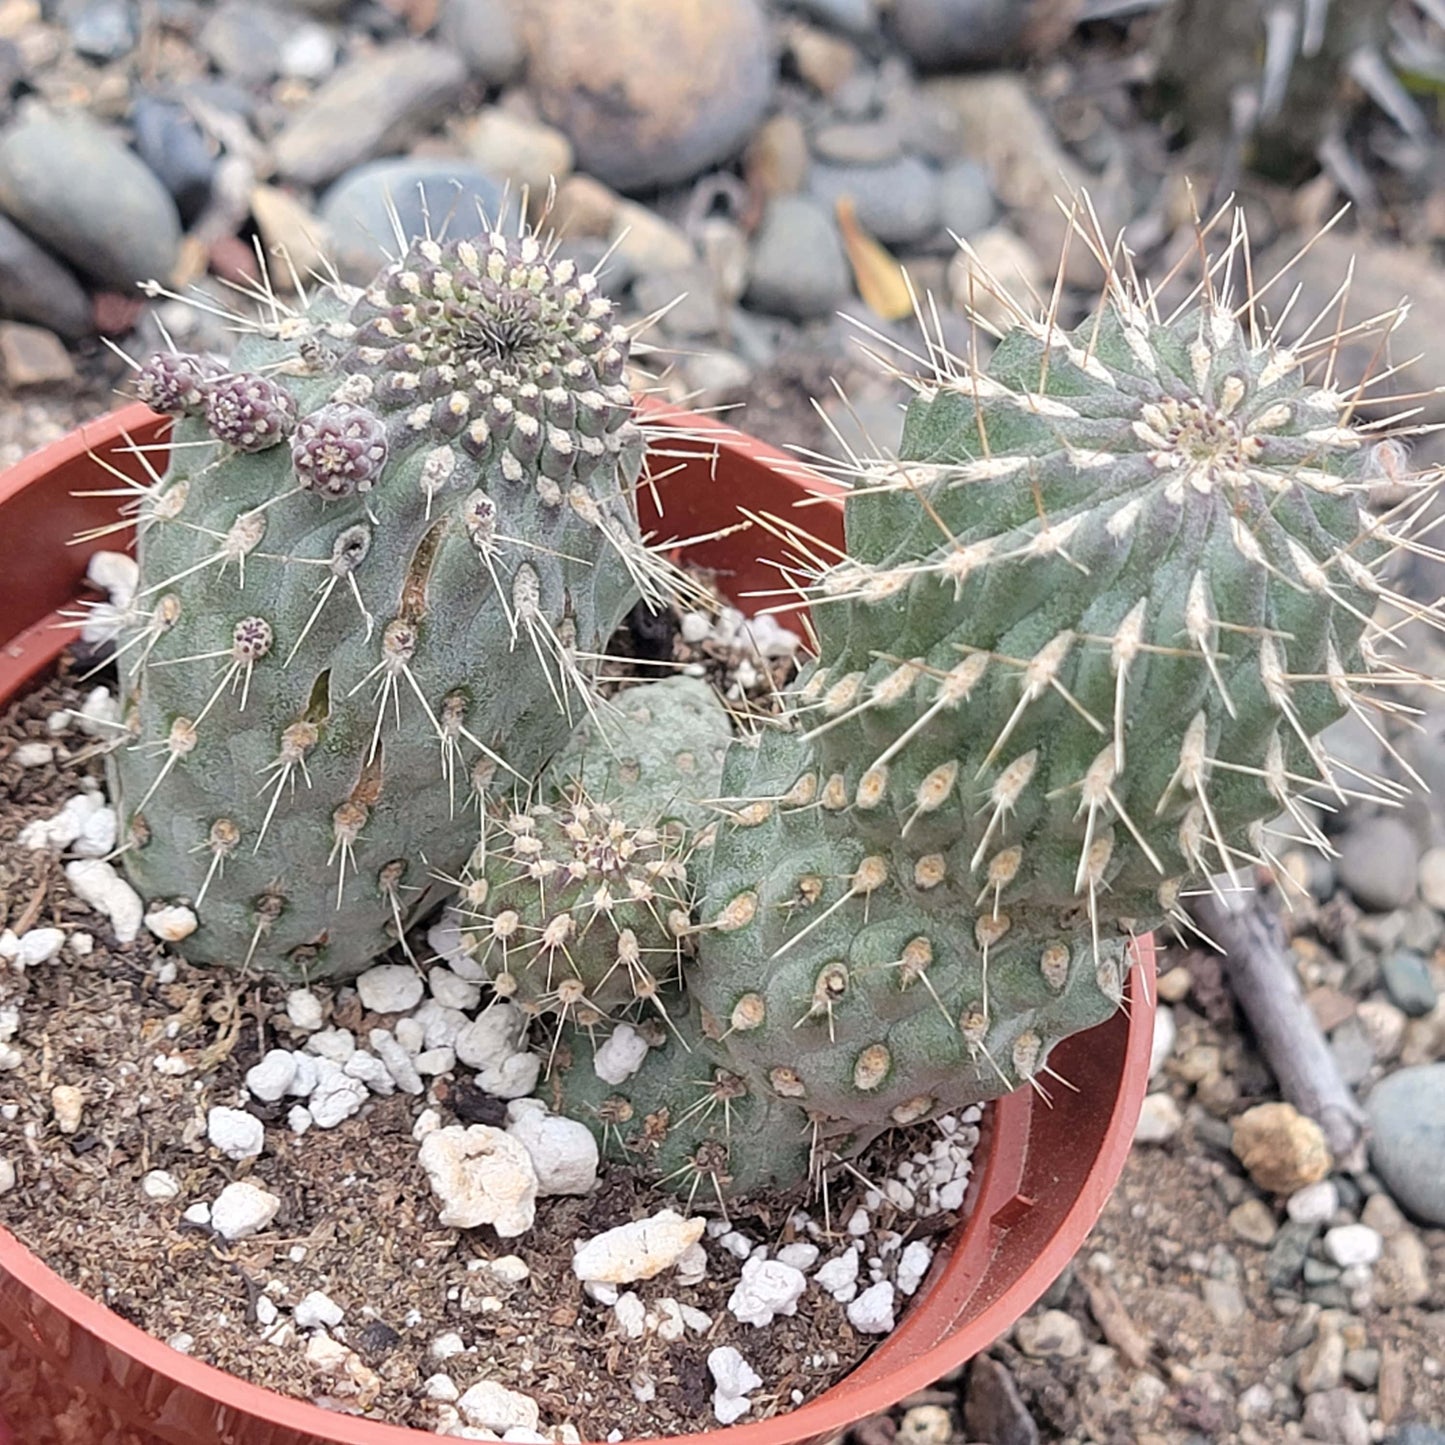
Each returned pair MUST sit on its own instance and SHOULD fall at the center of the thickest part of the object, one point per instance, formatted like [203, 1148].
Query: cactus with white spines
[394, 525]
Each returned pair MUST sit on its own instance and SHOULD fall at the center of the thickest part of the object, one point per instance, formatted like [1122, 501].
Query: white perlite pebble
[491, 1406]
[631, 1316]
[768, 1287]
[172, 923]
[1163, 1041]
[801, 1255]
[317, 1311]
[481, 1175]
[7, 1175]
[304, 1010]
[691, 1266]
[514, 1079]
[39, 945]
[427, 1122]
[733, 1380]
[9, 945]
[82, 945]
[371, 1071]
[435, 1061]
[441, 1387]
[453, 992]
[447, 1346]
[338, 1045]
[623, 1052]
[67, 1104]
[337, 1096]
[243, 1209]
[390, 988]
[95, 882]
[273, 1076]
[1353, 1244]
[1314, 1204]
[198, 1213]
[564, 1151]
[97, 835]
[237, 1134]
[695, 626]
[113, 572]
[446, 941]
[490, 1039]
[34, 755]
[398, 1062]
[63, 828]
[1159, 1119]
[308, 1072]
[160, 1186]
[913, 1265]
[872, 1312]
[640, 1249]
[99, 714]
[298, 1119]
[441, 1027]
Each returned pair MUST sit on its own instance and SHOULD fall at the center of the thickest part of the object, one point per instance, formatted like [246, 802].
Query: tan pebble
[67, 1103]
[1281, 1148]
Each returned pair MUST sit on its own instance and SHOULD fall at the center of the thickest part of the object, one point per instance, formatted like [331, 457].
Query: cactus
[1091, 621]
[393, 523]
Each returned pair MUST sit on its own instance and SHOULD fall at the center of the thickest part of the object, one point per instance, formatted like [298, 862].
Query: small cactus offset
[393, 523]
[1092, 620]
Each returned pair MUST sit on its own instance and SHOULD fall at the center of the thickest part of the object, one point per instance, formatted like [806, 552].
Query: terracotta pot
[1045, 1171]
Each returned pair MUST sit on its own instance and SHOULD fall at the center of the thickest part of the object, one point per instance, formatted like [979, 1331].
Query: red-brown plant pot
[71, 1371]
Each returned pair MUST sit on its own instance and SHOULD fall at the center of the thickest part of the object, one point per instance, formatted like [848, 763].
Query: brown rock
[33, 356]
[824, 61]
[525, 153]
[1282, 1149]
[992, 1409]
[776, 160]
[585, 207]
[295, 240]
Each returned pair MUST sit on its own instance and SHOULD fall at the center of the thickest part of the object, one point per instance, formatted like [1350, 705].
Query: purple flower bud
[174, 382]
[249, 412]
[339, 450]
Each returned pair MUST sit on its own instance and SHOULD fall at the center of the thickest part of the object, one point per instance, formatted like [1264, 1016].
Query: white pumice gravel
[298, 1119]
[839, 1275]
[1315, 1203]
[399, 1063]
[442, 1026]
[242, 1209]
[631, 1316]
[7, 1175]
[304, 1010]
[317, 1311]
[99, 715]
[34, 755]
[237, 1134]
[733, 1381]
[768, 1288]
[481, 1175]
[451, 991]
[913, 1265]
[390, 988]
[61, 829]
[447, 1346]
[96, 882]
[801, 1255]
[1353, 1244]
[640, 1249]
[67, 1105]
[39, 945]
[9, 945]
[490, 1039]
[441, 1387]
[81, 944]
[622, 1054]
[160, 1185]
[371, 1071]
[308, 1072]
[336, 1045]
[871, 1313]
[564, 1151]
[272, 1078]
[172, 923]
[491, 1406]
[431, 1062]
[337, 1095]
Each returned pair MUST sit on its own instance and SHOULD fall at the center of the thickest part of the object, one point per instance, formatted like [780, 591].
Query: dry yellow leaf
[880, 279]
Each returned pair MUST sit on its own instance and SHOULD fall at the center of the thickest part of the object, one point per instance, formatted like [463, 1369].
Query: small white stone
[317, 1311]
[95, 882]
[398, 1062]
[494, 1407]
[603, 1293]
[59, 721]
[631, 1316]
[237, 1134]
[691, 1267]
[640, 1249]
[736, 1243]
[273, 1076]
[390, 988]
[698, 1321]
[733, 1380]
[172, 923]
[266, 1312]
[308, 1073]
[859, 1223]
[447, 1346]
[768, 1287]
[82, 945]
[199, 1213]
[61, 829]
[182, 1343]
[447, 941]
[1163, 1041]
[9, 945]
[515, 1078]
[39, 945]
[160, 1185]
[453, 992]
[10, 1058]
[441, 1026]
[801, 1255]
[1159, 1119]
[338, 1045]
[371, 1071]
[1353, 1244]
[695, 626]
[99, 714]
[492, 1038]
[410, 1033]
[304, 1010]
[509, 1269]
[913, 1265]
[441, 1387]
[7, 1175]
[839, 1275]
[564, 1151]
[623, 1052]
[431, 1062]
[97, 835]
[114, 572]
[1314, 1204]
[243, 1209]
[336, 1097]
[67, 1104]
[871, 1313]
[34, 755]
[298, 1119]
[670, 1325]
[481, 1175]
[9, 1024]
[427, 1122]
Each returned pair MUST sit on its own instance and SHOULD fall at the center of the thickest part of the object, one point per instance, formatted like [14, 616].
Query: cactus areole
[1091, 621]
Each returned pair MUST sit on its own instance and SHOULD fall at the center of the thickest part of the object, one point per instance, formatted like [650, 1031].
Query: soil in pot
[354, 1295]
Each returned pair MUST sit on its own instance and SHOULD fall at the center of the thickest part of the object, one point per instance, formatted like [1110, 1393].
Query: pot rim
[998, 1198]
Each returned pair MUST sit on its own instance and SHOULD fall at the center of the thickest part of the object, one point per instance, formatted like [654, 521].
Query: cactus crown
[1090, 623]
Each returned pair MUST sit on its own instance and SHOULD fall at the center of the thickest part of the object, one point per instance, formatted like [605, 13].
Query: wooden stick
[1262, 978]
